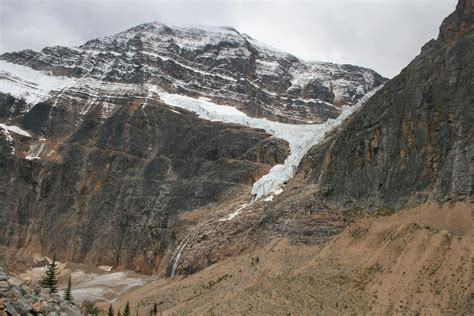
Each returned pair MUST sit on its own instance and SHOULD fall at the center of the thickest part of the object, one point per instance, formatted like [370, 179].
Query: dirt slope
[417, 260]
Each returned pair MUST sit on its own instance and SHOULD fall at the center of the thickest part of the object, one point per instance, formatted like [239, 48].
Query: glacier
[300, 137]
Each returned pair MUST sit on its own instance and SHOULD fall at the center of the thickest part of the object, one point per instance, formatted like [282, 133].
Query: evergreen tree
[110, 312]
[126, 311]
[49, 280]
[154, 310]
[119, 313]
[67, 293]
[89, 308]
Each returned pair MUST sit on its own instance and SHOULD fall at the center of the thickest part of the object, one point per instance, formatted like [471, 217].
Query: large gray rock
[9, 309]
[22, 307]
[16, 282]
[24, 301]
[70, 310]
[3, 276]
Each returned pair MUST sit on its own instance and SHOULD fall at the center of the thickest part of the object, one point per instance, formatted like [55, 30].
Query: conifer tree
[49, 280]
[154, 310]
[67, 293]
[110, 312]
[126, 311]
[89, 308]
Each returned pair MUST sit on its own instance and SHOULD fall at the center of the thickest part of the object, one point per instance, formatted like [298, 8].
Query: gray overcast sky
[380, 34]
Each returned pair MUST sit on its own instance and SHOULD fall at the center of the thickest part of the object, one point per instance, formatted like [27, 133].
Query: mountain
[409, 144]
[219, 63]
[392, 185]
[101, 146]
[122, 153]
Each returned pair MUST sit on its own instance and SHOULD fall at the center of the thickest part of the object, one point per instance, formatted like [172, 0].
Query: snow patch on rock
[15, 129]
[31, 85]
[233, 214]
[7, 130]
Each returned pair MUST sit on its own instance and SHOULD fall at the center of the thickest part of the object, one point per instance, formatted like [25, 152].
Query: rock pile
[19, 298]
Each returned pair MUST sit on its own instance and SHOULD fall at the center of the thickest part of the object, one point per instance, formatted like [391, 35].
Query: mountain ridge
[229, 68]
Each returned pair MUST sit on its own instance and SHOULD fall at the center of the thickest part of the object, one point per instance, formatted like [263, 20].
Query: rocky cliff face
[414, 140]
[113, 190]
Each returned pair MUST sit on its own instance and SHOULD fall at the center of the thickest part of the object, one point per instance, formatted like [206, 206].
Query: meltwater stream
[177, 257]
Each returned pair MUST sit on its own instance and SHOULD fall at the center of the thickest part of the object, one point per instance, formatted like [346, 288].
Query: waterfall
[176, 258]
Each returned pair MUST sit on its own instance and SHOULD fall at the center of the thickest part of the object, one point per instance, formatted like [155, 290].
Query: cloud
[380, 34]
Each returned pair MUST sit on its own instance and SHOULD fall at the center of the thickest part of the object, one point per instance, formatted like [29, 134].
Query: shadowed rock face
[111, 190]
[414, 140]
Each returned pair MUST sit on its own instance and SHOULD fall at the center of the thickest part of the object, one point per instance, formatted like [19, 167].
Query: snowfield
[31, 85]
[15, 129]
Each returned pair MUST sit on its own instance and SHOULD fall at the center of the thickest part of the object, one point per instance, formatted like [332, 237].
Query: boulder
[14, 281]
[22, 307]
[39, 307]
[3, 276]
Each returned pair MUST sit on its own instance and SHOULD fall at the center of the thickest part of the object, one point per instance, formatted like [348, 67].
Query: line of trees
[127, 311]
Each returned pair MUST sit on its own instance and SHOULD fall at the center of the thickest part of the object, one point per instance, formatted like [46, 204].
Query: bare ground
[414, 261]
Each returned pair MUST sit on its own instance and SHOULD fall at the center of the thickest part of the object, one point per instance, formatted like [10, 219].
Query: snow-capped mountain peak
[214, 62]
